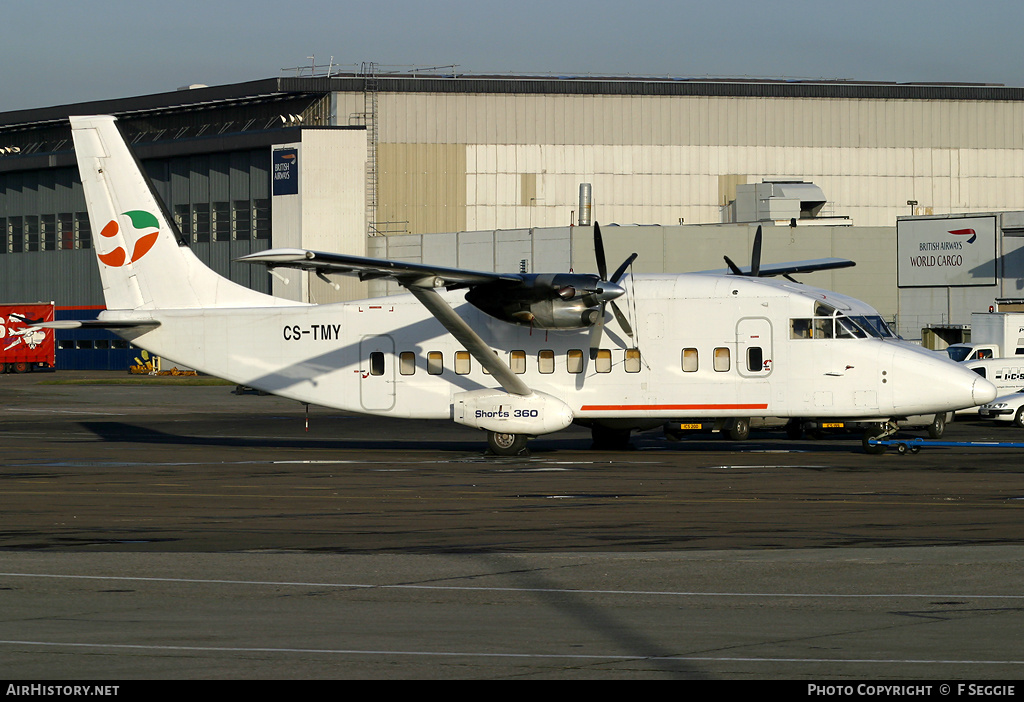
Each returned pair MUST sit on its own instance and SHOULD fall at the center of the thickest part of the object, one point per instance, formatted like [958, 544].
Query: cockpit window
[875, 326]
[847, 329]
[839, 326]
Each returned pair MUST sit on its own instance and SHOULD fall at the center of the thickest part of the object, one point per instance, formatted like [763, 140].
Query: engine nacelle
[499, 411]
[548, 301]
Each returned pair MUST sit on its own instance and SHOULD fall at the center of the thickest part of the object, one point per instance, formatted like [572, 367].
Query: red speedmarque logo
[140, 219]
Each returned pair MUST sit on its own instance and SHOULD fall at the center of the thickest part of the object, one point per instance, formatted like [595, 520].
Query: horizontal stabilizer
[98, 324]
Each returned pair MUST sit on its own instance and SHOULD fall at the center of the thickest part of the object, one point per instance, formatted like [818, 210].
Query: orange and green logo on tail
[140, 220]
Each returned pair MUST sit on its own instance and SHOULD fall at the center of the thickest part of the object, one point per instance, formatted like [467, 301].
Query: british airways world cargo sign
[946, 252]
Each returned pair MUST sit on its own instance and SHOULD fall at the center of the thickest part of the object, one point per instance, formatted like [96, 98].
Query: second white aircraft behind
[515, 355]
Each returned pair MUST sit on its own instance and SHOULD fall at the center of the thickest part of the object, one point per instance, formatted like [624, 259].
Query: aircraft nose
[983, 391]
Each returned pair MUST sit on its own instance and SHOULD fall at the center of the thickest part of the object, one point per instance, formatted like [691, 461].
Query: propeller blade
[596, 331]
[602, 264]
[622, 269]
[732, 266]
[755, 254]
[621, 319]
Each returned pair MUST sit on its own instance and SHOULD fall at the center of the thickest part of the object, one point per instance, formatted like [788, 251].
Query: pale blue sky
[63, 51]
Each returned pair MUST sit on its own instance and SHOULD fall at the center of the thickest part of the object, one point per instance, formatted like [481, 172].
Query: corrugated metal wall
[45, 238]
[658, 159]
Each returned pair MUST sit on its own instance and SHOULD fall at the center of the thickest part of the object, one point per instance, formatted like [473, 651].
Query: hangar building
[358, 162]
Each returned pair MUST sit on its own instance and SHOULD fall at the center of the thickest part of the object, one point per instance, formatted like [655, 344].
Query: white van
[1007, 374]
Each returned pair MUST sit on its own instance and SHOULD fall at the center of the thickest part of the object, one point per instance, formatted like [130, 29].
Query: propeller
[755, 258]
[609, 290]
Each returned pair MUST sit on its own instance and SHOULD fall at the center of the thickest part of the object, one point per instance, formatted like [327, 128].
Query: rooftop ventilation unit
[782, 202]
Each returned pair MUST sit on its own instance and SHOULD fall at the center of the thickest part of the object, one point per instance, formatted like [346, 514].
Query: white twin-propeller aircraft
[516, 355]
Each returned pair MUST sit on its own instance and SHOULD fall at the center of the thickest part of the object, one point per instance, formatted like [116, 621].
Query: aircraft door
[754, 347]
[377, 372]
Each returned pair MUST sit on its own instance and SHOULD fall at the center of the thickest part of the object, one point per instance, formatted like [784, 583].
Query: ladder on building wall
[371, 86]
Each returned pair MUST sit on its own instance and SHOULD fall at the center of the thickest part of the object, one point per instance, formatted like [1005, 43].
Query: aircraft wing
[418, 279]
[418, 274]
[789, 267]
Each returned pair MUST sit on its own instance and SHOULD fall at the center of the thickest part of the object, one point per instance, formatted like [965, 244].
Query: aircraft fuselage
[704, 346]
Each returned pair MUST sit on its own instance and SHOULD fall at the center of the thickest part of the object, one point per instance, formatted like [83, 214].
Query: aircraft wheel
[1018, 418]
[502, 444]
[873, 449]
[740, 429]
[938, 427]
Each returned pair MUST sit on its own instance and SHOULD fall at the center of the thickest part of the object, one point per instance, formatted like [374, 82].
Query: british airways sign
[946, 252]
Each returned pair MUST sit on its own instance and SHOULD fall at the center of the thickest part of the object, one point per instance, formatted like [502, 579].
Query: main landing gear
[504, 444]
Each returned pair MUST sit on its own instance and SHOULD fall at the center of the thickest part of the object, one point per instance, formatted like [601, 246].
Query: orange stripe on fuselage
[662, 408]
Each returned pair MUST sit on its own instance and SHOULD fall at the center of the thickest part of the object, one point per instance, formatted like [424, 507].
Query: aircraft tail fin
[144, 262]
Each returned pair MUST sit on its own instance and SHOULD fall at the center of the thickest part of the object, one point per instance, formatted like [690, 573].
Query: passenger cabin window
[517, 361]
[462, 362]
[546, 361]
[487, 372]
[407, 363]
[689, 360]
[755, 359]
[435, 363]
[377, 363]
[722, 360]
[603, 361]
[574, 361]
[632, 360]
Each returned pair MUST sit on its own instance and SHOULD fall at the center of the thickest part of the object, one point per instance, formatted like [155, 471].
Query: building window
[221, 221]
[83, 232]
[48, 226]
[15, 235]
[261, 218]
[183, 218]
[241, 219]
[201, 222]
[66, 227]
[32, 233]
